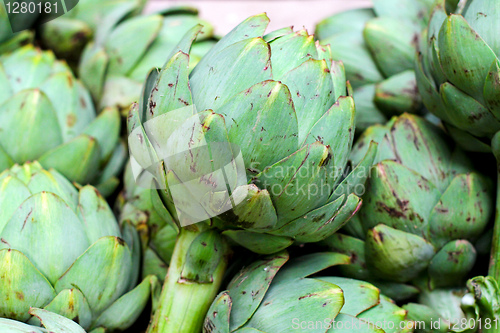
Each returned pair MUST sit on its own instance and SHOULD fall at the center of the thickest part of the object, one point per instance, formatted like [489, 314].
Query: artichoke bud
[43, 208]
[455, 86]
[420, 215]
[217, 123]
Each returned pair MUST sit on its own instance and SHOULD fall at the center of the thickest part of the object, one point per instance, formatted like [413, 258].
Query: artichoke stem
[194, 277]
[495, 250]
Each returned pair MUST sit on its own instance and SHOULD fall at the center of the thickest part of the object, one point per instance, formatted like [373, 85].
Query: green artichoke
[283, 104]
[423, 208]
[458, 70]
[48, 115]
[458, 74]
[10, 41]
[272, 295]
[68, 35]
[51, 321]
[115, 65]
[264, 118]
[62, 250]
[377, 46]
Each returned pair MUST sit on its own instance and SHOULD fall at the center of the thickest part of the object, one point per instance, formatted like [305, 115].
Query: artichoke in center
[256, 137]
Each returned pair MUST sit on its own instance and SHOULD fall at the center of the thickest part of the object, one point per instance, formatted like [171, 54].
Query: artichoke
[458, 73]
[48, 115]
[423, 208]
[67, 35]
[62, 250]
[266, 118]
[115, 65]
[10, 41]
[51, 321]
[377, 46]
[273, 295]
[458, 70]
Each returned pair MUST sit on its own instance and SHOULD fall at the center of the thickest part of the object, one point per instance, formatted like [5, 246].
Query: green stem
[495, 249]
[196, 270]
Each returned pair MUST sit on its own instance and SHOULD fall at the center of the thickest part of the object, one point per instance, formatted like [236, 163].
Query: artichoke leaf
[313, 299]
[19, 294]
[359, 296]
[214, 83]
[261, 117]
[249, 287]
[396, 255]
[56, 323]
[126, 309]
[39, 229]
[71, 304]
[463, 54]
[110, 258]
[77, 160]
[307, 265]
[217, 319]
[258, 242]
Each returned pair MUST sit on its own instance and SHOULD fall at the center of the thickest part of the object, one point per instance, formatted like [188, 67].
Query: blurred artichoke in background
[377, 46]
[62, 250]
[272, 296]
[48, 115]
[424, 206]
[68, 35]
[458, 70]
[116, 64]
[273, 113]
[51, 321]
[10, 41]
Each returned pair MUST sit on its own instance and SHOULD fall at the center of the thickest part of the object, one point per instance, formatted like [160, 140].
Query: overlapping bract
[280, 100]
[68, 35]
[115, 65]
[61, 249]
[273, 295]
[48, 115]
[423, 208]
[458, 70]
[377, 46]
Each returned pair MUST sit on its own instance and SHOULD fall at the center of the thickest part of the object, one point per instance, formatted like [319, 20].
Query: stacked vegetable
[248, 193]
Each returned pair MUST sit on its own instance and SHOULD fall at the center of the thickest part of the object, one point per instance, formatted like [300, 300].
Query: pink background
[224, 15]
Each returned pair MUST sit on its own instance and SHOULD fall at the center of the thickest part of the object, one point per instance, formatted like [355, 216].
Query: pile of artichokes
[158, 177]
